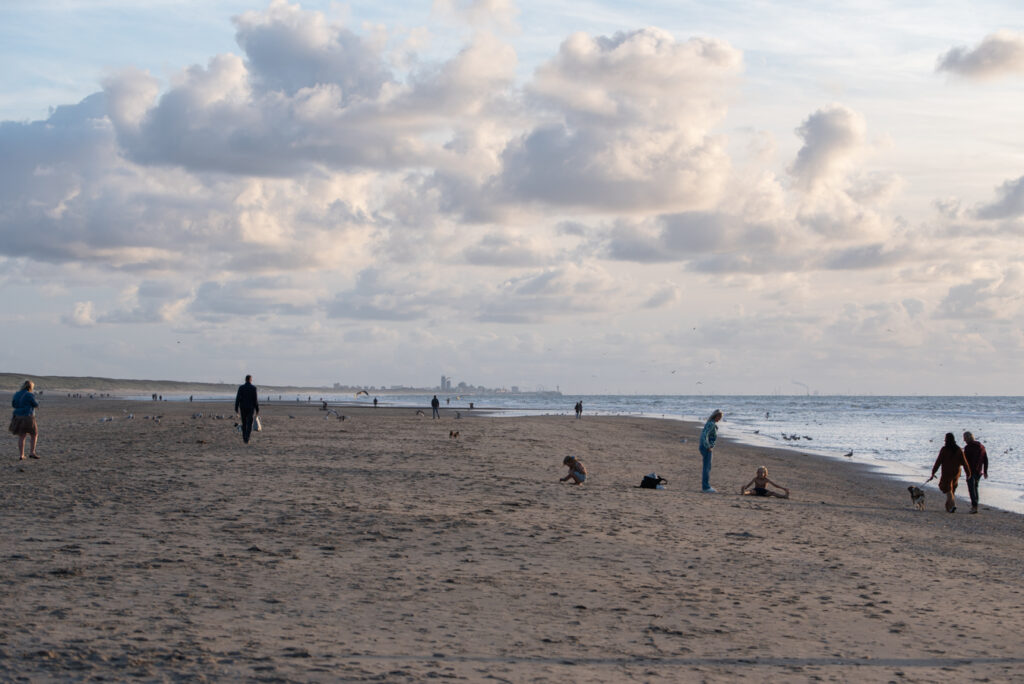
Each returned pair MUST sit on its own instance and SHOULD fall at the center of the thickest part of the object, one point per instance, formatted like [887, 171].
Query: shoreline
[380, 547]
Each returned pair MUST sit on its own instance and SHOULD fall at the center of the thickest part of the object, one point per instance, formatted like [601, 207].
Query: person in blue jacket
[708, 437]
[23, 422]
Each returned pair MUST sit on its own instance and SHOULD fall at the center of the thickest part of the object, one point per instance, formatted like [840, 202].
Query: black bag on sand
[652, 481]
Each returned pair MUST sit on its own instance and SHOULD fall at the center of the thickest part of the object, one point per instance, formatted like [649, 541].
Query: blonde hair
[762, 470]
[28, 385]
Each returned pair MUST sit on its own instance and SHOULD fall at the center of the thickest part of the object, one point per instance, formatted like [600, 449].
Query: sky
[652, 197]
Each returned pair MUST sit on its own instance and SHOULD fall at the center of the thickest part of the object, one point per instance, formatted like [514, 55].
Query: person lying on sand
[759, 486]
[577, 471]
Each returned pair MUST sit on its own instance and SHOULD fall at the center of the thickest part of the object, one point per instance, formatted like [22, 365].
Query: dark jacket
[247, 400]
[977, 458]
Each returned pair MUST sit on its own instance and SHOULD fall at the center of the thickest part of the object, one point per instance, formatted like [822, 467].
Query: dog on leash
[917, 497]
[453, 434]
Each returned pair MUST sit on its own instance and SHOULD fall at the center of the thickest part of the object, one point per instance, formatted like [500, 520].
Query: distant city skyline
[652, 197]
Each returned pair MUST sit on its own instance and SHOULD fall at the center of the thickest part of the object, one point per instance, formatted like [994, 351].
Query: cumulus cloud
[288, 49]
[998, 54]
[308, 94]
[631, 119]
[1009, 204]
[832, 137]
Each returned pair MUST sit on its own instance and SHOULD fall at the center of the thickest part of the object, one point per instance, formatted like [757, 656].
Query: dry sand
[379, 549]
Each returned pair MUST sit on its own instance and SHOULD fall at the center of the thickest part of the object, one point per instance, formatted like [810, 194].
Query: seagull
[362, 392]
[848, 454]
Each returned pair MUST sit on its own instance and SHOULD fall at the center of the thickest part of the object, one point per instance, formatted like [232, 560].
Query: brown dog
[453, 434]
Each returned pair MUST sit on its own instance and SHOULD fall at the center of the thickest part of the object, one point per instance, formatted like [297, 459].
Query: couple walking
[972, 458]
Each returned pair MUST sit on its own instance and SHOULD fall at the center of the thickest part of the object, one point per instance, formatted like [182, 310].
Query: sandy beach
[380, 549]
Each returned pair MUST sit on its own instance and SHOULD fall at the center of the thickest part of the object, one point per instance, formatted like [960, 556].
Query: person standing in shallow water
[951, 458]
[708, 437]
[977, 459]
[247, 405]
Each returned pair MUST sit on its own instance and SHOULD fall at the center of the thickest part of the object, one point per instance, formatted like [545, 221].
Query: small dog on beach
[453, 434]
[917, 497]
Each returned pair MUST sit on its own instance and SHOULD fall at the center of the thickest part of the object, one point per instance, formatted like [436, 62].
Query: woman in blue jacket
[23, 422]
[708, 437]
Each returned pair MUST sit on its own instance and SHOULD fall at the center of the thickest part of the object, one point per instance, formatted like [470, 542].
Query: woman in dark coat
[951, 458]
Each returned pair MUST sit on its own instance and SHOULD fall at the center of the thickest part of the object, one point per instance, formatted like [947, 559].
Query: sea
[899, 436]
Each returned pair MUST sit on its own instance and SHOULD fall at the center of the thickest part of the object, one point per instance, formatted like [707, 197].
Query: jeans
[247, 419]
[972, 489]
[705, 473]
[436, 413]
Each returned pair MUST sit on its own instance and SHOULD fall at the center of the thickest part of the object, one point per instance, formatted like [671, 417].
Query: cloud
[998, 54]
[498, 13]
[247, 298]
[664, 295]
[832, 137]
[998, 296]
[288, 49]
[536, 297]
[630, 125]
[381, 296]
[306, 95]
[1010, 203]
[83, 316]
[498, 249]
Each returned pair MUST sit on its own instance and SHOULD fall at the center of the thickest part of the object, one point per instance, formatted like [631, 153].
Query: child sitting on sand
[577, 471]
[758, 486]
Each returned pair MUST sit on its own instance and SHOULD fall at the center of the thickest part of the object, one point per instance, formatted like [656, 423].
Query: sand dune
[380, 549]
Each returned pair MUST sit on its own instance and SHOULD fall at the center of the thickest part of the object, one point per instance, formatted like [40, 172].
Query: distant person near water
[977, 459]
[435, 404]
[708, 437]
[247, 405]
[23, 420]
[375, 402]
[759, 485]
[577, 471]
[579, 409]
[951, 458]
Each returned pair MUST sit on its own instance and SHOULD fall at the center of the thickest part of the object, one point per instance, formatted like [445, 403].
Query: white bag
[257, 424]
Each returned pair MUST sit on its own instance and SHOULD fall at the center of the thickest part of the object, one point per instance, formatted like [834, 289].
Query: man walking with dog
[977, 459]
[247, 405]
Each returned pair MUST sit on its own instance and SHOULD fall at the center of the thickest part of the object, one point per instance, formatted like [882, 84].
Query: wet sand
[380, 549]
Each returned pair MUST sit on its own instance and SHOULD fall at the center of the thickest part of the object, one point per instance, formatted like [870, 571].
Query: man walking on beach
[977, 459]
[708, 437]
[247, 405]
[435, 404]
